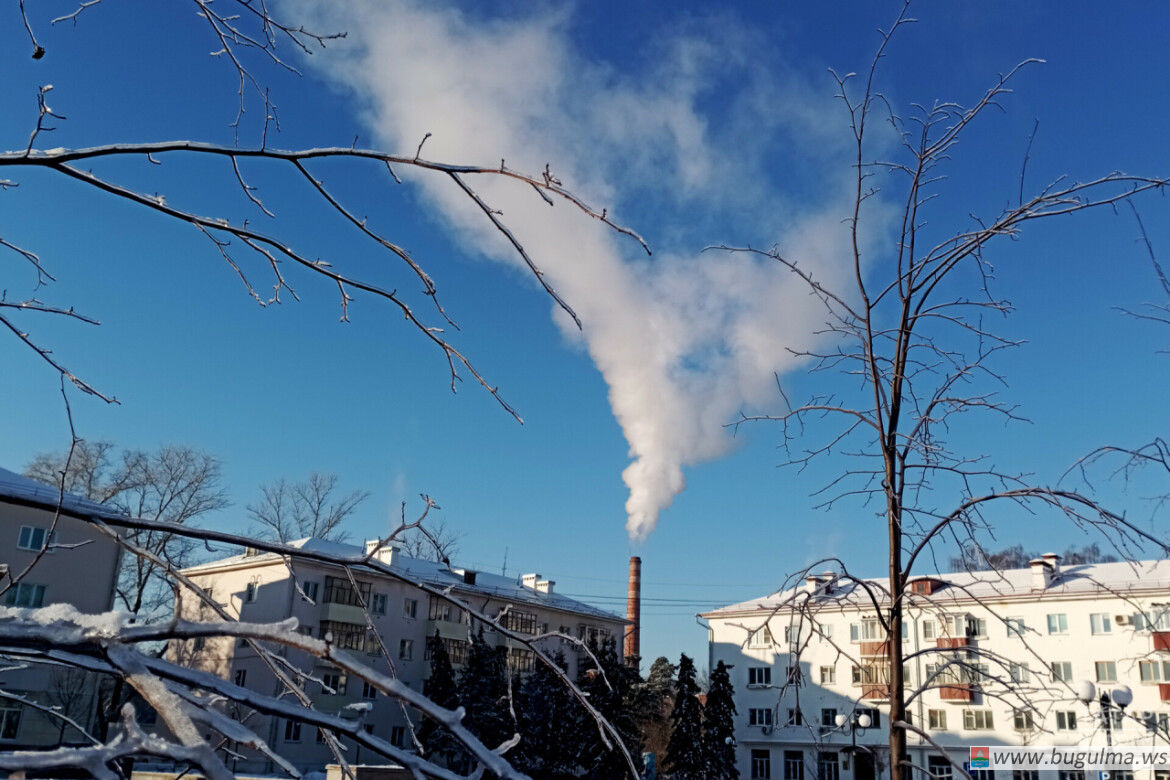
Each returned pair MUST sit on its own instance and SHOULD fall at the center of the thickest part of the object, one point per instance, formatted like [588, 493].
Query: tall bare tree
[173, 485]
[910, 334]
[295, 510]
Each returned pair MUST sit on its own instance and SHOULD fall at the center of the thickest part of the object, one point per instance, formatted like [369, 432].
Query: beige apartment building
[261, 587]
[80, 567]
[1000, 658]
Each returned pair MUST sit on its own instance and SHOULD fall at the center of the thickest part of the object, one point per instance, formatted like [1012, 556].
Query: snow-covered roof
[430, 572]
[1078, 580]
[20, 489]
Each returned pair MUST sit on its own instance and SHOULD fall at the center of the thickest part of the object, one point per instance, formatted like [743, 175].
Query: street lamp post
[1108, 702]
[856, 723]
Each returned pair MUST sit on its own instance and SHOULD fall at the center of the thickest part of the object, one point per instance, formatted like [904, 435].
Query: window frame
[32, 529]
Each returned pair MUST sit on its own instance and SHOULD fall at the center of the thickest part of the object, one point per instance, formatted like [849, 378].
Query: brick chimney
[634, 609]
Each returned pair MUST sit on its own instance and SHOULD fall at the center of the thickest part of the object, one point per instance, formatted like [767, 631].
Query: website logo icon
[980, 758]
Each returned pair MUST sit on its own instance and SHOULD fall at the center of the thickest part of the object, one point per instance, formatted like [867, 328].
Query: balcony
[335, 612]
[875, 691]
[878, 649]
[1161, 640]
[953, 641]
[1164, 691]
[957, 693]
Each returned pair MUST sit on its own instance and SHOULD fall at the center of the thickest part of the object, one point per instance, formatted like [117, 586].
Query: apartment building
[80, 567]
[263, 587]
[999, 658]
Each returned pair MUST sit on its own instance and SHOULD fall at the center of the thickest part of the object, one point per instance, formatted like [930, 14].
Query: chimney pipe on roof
[1042, 574]
[634, 610]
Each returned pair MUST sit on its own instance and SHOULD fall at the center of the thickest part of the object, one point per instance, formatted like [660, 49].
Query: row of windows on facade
[961, 670]
[938, 767]
[972, 627]
[292, 733]
[973, 719]
[341, 591]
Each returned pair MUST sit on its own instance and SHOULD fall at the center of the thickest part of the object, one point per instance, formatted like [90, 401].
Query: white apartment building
[261, 588]
[81, 569]
[998, 657]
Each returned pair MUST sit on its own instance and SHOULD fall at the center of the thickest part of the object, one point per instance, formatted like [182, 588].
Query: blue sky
[695, 126]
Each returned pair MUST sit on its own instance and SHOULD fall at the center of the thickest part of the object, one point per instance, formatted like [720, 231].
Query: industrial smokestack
[634, 609]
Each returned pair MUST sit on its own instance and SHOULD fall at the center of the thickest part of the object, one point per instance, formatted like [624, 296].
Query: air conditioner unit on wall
[1121, 620]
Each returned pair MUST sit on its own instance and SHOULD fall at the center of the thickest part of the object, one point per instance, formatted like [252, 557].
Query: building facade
[264, 588]
[992, 658]
[56, 553]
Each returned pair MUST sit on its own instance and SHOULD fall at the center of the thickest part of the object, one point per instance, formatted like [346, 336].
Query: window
[928, 627]
[309, 590]
[1015, 626]
[339, 591]
[241, 676]
[793, 675]
[761, 637]
[1154, 671]
[1156, 619]
[985, 774]
[250, 592]
[1022, 720]
[9, 722]
[792, 635]
[761, 768]
[520, 622]
[369, 691]
[1067, 775]
[759, 675]
[333, 683]
[1099, 623]
[829, 717]
[397, 736]
[198, 643]
[1019, 673]
[1118, 718]
[292, 731]
[827, 630]
[827, 766]
[31, 538]
[1106, 671]
[368, 728]
[936, 720]
[1058, 624]
[457, 650]
[793, 765]
[905, 631]
[378, 604]
[875, 716]
[828, 674]
[320, 736]
[25, 594]
[1066, 720]
[410, 608]
[866, 631]
[1026, 774]
[977, 720]
[521, 660]
[795, 717]
[447, 612]
[1061, 671]
[306, 630]
[940, 767]
[347, 636]
[406, 649]
[759, 716]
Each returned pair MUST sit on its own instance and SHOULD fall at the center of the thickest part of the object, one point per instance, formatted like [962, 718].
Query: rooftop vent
[1043, 572]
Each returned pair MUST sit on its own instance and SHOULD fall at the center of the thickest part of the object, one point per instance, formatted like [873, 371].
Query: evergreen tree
[548, 721]
[656, 696]
[719, 727]
[617, 701]
[439, 687]
[483, 691]
[684, 753]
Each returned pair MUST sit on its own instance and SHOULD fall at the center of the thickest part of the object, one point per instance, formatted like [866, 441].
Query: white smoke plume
[684, 341]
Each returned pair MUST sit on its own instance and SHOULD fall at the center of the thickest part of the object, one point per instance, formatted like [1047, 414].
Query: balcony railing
[958, 693]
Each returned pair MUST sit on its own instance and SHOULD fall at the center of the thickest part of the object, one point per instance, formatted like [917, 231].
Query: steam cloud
[684, 341]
